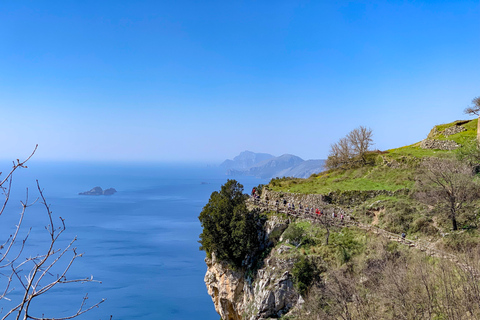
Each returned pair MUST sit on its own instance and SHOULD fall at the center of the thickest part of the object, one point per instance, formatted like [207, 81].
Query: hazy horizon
[188, 81]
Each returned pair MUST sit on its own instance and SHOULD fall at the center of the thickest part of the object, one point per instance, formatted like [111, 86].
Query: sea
[141, 243]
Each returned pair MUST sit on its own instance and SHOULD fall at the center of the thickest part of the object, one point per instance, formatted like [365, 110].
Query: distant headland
[97, 191]
[267, 166]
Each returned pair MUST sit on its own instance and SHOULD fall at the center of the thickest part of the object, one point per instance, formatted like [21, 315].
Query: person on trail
[284, 202]
[403, 235]
[341, 217]
[254, 190]
[333, 215]
[321, 212]
[317, 212]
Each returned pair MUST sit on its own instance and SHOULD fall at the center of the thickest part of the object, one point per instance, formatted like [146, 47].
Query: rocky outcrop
[225, 286]
[266, 292]
[97, 191]
[439, 144]
[455, 127]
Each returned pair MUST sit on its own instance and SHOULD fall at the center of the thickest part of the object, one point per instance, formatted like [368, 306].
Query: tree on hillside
[361, 141]
[26, 277]
[475, 110]
[350, 149]
[340, 153]
[229, 228]
[470, 154]
[450, 186]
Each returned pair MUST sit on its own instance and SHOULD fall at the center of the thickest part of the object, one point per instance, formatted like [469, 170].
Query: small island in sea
[97, 191]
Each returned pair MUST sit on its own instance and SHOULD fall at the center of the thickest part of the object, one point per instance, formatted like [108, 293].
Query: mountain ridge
[286, 165]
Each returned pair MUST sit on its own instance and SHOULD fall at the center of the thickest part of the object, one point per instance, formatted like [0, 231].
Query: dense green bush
[229, 228]
[347, 244]
[294, 234]
[303, 274]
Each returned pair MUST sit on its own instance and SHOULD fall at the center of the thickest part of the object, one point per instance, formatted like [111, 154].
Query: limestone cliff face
[225, 286]
[268, 293]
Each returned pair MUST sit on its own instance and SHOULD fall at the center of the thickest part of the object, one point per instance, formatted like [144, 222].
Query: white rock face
[269, 295]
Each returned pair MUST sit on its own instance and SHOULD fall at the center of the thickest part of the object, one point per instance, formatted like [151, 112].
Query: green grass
[415, 151]
[365, 178]
[471, 125]
[378, 176]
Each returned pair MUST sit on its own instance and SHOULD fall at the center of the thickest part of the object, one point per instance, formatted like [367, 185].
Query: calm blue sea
[141, 242]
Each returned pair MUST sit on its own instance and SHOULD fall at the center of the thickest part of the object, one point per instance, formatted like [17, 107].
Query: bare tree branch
[37, 274]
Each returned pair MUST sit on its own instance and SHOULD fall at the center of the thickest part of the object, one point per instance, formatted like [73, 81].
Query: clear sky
[205, 80]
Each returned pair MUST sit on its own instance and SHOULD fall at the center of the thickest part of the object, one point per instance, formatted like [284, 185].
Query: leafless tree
[360, 140]
[475, 110]
[340, 153]
[34, 275]
[350, 149]
[448, 184]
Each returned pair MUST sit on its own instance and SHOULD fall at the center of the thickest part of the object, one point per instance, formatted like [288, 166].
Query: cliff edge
[261, 291]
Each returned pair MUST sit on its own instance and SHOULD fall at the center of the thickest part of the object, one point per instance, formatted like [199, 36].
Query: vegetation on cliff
[376, 278]
[431, 195]
[229, 228]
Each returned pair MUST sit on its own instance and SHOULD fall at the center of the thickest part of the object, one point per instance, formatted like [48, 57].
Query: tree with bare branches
[475, 110]
[350, 149]
[34, 275]
[449, 185]
[361, 140]
[340, 153]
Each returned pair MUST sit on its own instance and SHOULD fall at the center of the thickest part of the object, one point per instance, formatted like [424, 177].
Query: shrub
[229, 228]
[303, 274]
[294, 234]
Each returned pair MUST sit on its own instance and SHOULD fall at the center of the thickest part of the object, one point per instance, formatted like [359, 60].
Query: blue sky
[204, 80]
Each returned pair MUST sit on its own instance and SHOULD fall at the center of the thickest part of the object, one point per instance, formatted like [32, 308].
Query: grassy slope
[377, 176]
[357, 251]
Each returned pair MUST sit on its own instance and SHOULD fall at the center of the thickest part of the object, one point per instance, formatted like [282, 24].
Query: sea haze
[140, 242]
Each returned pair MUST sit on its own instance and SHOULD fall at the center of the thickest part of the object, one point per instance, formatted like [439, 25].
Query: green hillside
[388, 170]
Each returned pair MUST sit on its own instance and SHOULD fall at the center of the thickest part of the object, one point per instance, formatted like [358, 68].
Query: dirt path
[422, 245]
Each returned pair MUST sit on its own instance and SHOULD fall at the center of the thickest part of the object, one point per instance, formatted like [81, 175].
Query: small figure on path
[403, 235]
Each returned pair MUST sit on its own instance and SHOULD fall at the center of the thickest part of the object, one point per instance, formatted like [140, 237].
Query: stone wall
[453, 130]
[343, 198]
[439, 144]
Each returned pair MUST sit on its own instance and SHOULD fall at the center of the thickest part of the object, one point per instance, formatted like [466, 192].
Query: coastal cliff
[371, 239]
[263, 291]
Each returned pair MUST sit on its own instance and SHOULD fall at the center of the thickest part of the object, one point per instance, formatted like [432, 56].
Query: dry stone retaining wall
[345, 198]
[439, 144]
[453, 130]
